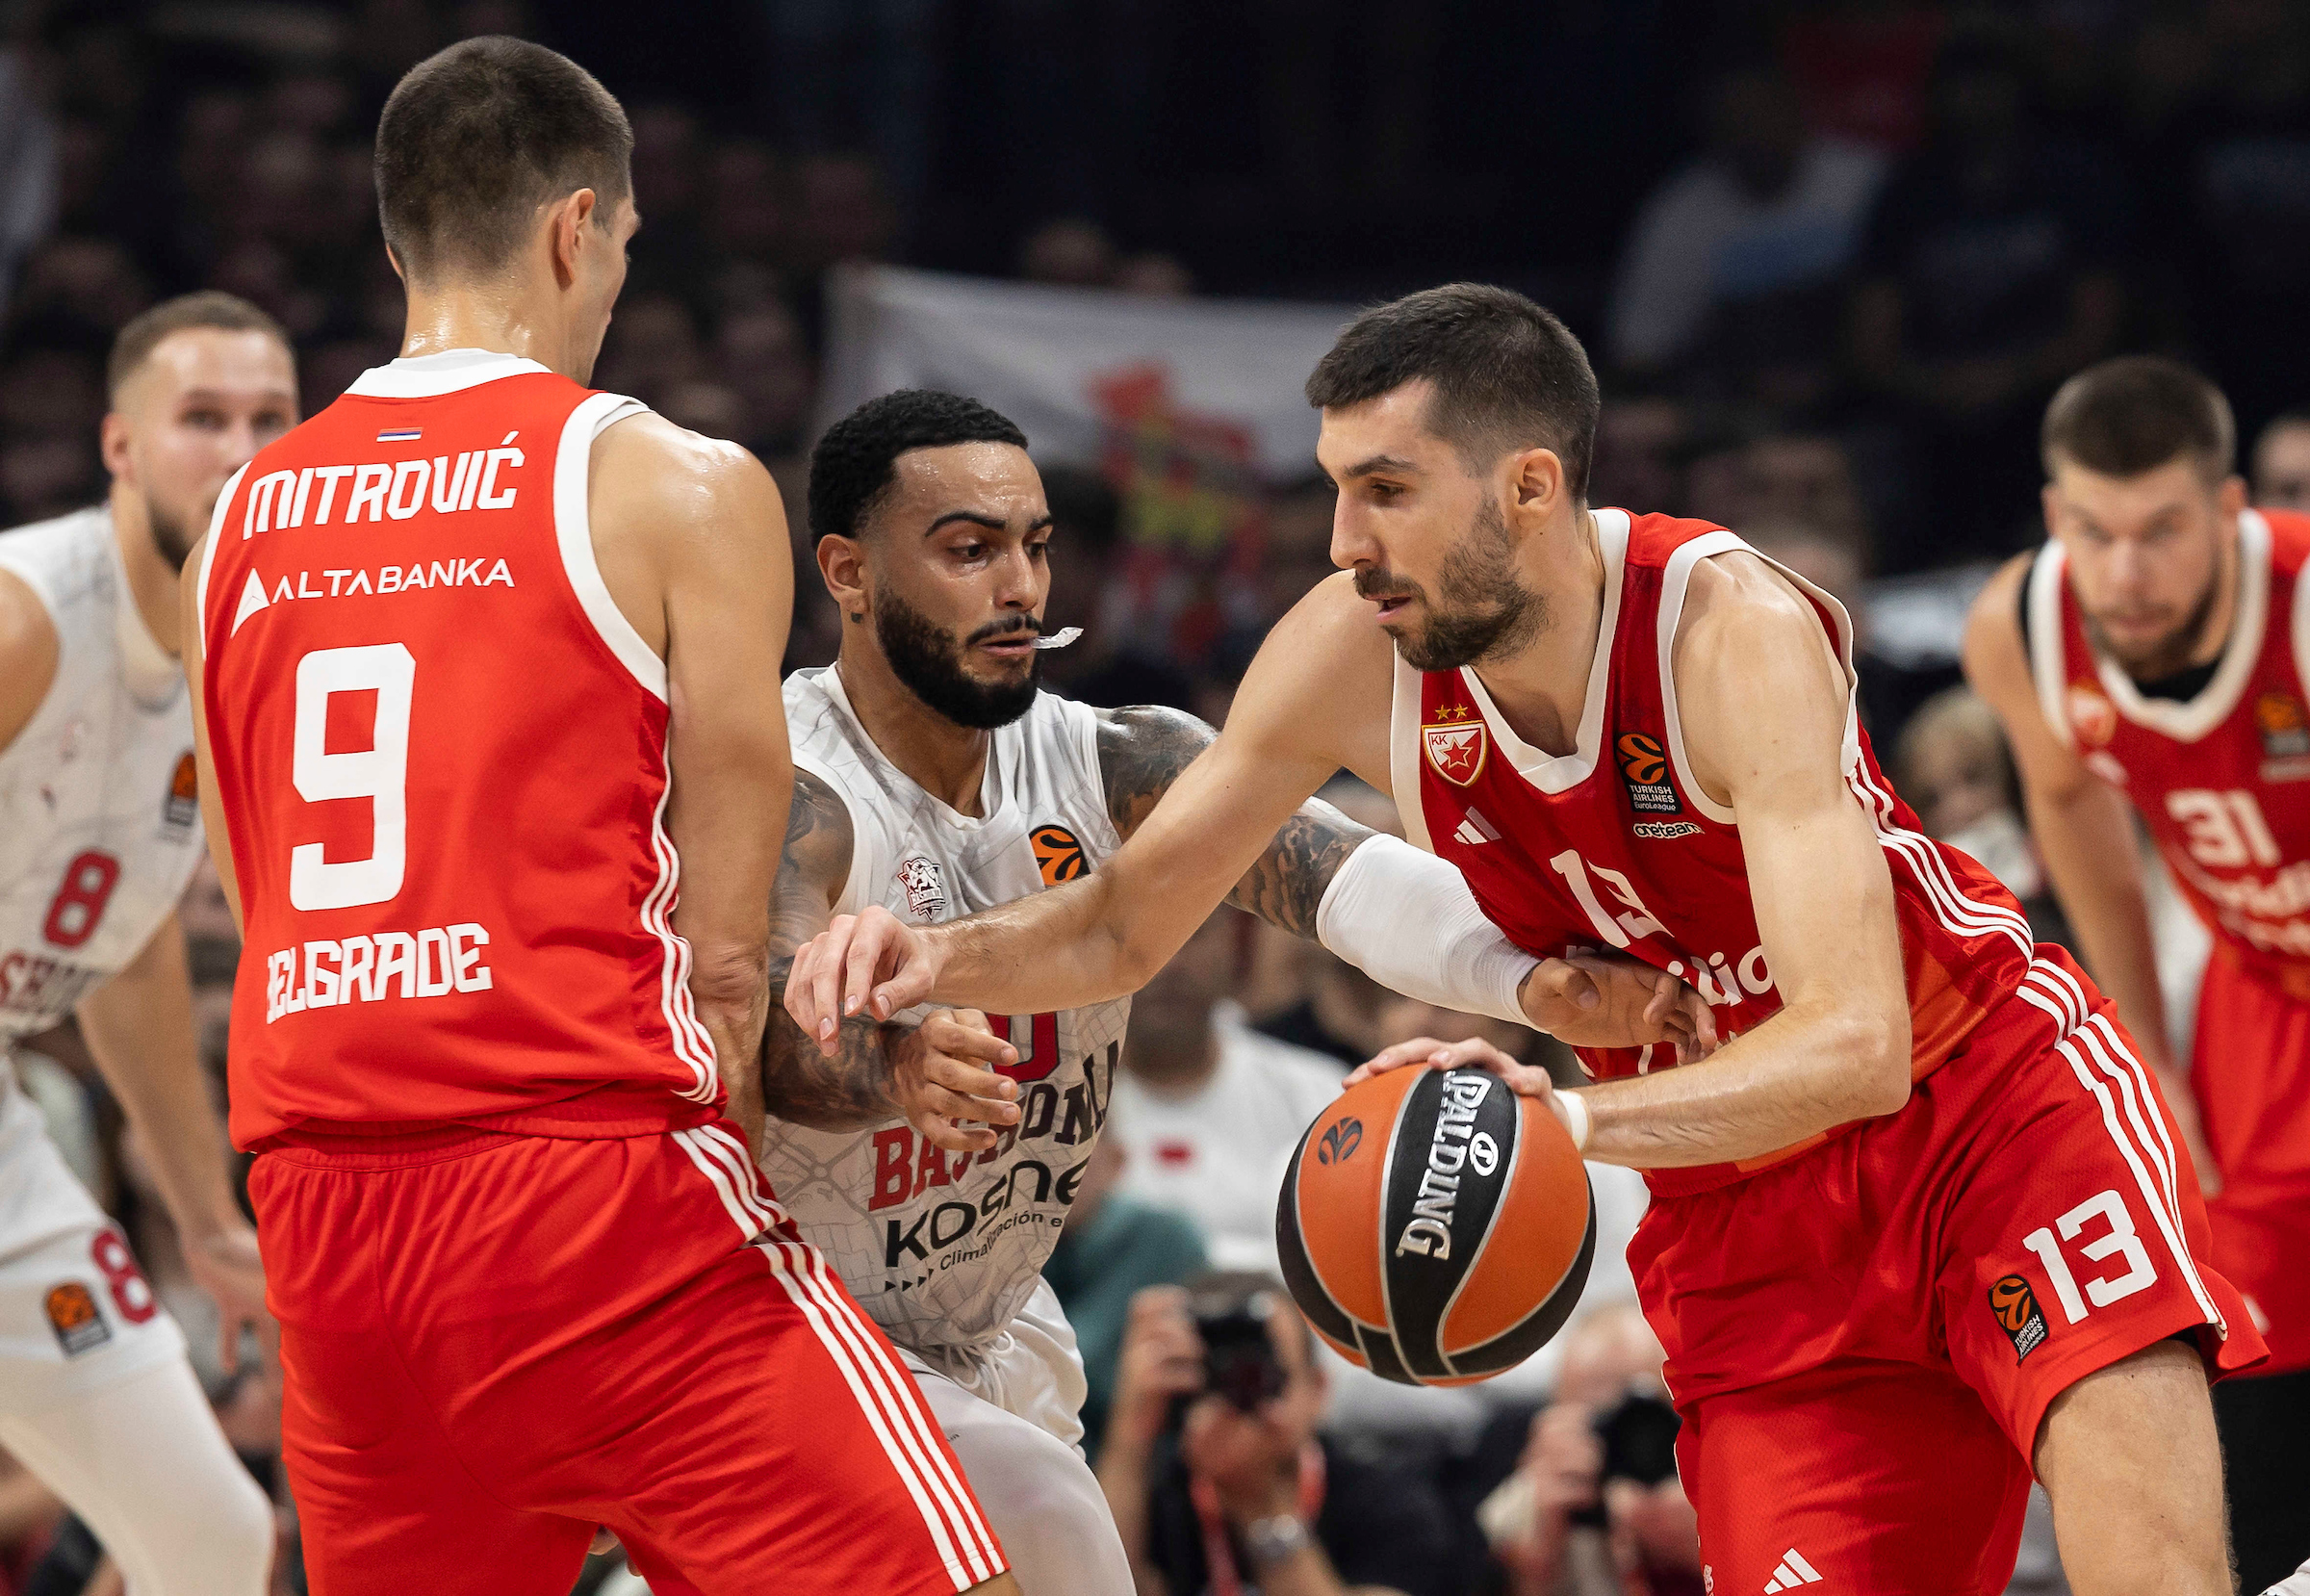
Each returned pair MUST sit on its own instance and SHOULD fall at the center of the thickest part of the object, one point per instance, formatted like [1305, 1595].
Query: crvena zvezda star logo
[1457, 750]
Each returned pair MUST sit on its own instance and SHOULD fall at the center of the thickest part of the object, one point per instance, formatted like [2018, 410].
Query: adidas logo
[1793, 1572]
[1474, 829]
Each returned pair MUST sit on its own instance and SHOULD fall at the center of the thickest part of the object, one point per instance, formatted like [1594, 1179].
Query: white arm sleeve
[1406, 919]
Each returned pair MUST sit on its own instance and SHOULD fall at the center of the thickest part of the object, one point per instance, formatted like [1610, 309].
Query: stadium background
[1830, 259]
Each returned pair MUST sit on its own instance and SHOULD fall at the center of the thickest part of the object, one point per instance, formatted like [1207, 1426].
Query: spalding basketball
[1436, 1227]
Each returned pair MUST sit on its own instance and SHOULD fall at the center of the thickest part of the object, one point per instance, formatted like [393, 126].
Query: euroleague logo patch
[182, 807]
[72, 1315]
[1058, 853]
[2015, 1303]
[1644, 769]
[1339, 1142]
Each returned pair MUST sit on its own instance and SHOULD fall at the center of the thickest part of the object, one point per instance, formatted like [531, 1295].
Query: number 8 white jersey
[944, 1250]
[99, 822]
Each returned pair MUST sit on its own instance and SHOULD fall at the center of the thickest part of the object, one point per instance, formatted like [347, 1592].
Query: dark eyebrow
[1391, 463]
[992, 523]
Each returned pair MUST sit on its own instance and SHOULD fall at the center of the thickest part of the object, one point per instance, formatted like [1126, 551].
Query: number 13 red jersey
[1615, 845]
[441, 753]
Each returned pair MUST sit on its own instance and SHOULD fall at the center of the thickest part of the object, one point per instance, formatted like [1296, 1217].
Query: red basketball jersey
[1615, 845]
[441, 752]
[2222, 780]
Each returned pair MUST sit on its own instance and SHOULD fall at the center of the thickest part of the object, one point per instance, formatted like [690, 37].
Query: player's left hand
[226, 1265]
[944, 1075]
[1610, 1000]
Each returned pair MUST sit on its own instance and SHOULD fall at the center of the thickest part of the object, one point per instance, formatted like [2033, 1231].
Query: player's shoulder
[1992, 647]
[642, 450]
[2289, 538]
[1736, 596]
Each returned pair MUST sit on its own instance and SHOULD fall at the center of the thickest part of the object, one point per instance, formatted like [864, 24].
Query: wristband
[1576, 1118]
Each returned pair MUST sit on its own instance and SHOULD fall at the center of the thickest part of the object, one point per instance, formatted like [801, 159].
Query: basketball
[1435, 1227]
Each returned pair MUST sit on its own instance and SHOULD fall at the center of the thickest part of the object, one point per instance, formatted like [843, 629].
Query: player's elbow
[729, 978]
[1875, 1039]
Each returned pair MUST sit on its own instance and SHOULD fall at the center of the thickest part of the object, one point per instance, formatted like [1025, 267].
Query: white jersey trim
[431, 376]
[1676, 581]
[573, 529]
[693, 1044]
[208, 554]
[1554, 773]
[2048, 640]
[1403, 754]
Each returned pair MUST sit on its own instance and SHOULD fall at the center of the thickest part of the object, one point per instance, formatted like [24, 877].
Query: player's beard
[928, 661]
[2169, 653]
[1480, 610]
[172, 535]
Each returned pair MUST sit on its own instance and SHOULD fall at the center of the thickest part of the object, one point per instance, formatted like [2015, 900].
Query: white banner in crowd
[1076, 368]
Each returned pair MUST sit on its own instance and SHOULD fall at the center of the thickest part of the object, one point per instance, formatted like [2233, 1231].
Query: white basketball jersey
[944, 1249]
[99, 815]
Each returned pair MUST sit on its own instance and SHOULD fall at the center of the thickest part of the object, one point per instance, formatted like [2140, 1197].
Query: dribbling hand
[871, 962]
[944, 1075]
[1524, 1079]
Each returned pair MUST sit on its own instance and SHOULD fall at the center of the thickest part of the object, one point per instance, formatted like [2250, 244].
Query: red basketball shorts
[495, 1343]
[1862, 1340]
[2251, 1074]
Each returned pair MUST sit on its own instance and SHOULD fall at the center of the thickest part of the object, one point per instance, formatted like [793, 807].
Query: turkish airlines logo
[1456, 745]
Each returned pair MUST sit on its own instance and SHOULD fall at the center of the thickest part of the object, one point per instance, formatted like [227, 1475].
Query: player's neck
[511, 317]
[1542, 688]
[152, 582]
[946, 760]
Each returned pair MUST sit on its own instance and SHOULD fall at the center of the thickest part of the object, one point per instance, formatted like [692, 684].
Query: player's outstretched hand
[226, 1267]
[1609, 1000]
[942, 1074]
[1524, 1079]
[873, 959]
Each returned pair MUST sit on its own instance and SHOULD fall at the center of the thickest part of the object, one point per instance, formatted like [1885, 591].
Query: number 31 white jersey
[944, 1250]
[99, 817]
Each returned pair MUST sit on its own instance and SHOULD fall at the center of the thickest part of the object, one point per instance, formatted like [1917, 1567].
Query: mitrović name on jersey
[394, 490]
[1029, 1191]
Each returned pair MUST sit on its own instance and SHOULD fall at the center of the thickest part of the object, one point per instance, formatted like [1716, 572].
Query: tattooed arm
[930, 1075]
[1141, 751]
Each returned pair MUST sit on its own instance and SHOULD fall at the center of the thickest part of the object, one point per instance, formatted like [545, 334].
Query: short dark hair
[854, 465]
[476, 137]
[2134, 414]
[209, 308]
[1507, 374]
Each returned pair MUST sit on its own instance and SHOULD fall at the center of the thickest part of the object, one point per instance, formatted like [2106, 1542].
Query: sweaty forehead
[996, 480]
[244, 364]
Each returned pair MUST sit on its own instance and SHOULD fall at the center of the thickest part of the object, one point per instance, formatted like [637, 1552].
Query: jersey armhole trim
[846, 901]
[208, 556]
[2299, 624]
[1675, 580]
[2045, 639]
[1082, 721]
[1403, 755]
[573, 530]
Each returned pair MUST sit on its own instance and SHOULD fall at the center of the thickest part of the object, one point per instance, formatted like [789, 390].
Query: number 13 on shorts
[2099, 1227]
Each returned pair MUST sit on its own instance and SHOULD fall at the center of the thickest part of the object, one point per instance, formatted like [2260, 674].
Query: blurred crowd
[1831, 258]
